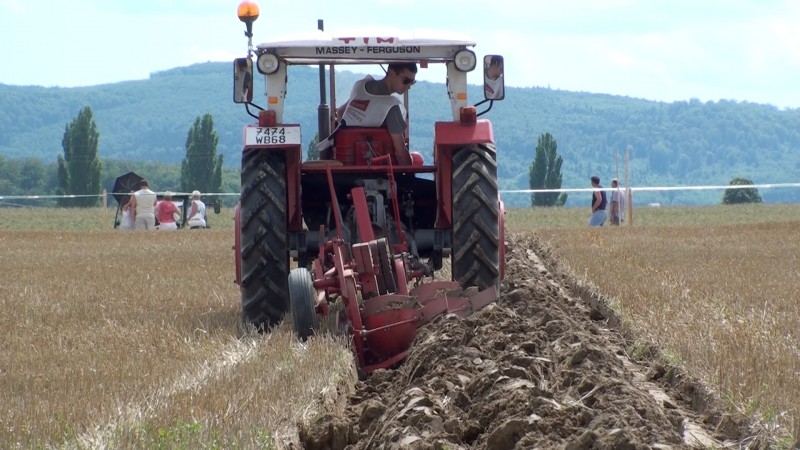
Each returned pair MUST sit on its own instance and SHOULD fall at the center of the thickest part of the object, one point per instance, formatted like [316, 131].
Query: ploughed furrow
[540, 368]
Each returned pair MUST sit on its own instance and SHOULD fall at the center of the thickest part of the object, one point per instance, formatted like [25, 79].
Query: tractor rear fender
[447, 137]
[281, 138]
[454, 134]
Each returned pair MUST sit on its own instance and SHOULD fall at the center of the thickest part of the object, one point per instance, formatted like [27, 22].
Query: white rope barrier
[657, 188]
[504, 191]
[174, 194]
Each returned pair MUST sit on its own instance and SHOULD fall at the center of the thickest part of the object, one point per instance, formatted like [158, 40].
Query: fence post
[629, 195]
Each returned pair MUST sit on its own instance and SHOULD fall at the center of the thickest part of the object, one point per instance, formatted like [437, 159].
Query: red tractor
[361, 231]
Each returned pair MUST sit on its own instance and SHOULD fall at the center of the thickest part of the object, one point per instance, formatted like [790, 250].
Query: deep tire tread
[302, 297]
[476, 233]
[264, 243]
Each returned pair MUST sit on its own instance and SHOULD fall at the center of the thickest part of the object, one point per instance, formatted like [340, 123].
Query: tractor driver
[372, 104]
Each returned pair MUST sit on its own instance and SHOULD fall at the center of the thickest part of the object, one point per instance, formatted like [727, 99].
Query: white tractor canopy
[365, 50]
[456, 54]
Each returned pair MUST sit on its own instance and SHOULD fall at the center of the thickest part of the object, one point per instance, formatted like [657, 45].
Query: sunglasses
[408, 81]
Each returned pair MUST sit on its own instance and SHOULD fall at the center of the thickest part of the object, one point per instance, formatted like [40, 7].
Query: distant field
[84, 219]
[537, 218]
[95, 219]
[125, 340]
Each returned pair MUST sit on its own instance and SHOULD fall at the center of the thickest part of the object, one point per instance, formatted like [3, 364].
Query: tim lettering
[368, 40]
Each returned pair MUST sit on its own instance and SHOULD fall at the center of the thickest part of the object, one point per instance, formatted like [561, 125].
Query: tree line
[544, 173]
[79, 172]
[678, 143]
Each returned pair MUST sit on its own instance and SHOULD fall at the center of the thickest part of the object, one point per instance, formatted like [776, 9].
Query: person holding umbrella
[124, 187]
[127, 215]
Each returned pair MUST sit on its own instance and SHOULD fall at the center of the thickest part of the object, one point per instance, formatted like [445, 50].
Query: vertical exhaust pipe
[323, 111]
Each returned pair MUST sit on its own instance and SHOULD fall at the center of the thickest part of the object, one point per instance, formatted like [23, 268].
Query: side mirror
[493, 79]
[242, 80]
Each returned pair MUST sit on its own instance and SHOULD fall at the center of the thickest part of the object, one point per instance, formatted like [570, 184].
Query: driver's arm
[400, 150]
[396, 124]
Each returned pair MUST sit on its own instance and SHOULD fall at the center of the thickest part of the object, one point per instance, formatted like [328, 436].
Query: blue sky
[657, 50]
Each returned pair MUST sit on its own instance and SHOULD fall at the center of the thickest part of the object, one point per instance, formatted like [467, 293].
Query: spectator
[598, 217]
[197, 213]
[617, 204]
[143, 206]
[167, 213]
[127, 215]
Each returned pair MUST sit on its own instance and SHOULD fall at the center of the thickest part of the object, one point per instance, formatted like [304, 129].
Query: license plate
[272, 136]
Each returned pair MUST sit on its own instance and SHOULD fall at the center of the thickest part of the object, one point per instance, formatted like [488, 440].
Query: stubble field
[120, 340]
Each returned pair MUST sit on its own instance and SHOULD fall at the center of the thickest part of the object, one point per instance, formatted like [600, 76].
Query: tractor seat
[356, 146]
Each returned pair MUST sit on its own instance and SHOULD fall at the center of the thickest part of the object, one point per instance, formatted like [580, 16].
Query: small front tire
[302, 298]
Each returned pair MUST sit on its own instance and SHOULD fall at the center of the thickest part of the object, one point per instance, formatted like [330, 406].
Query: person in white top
[617, 204]
[127, 215]
[197, 213]
[143, 206]
[373, 103]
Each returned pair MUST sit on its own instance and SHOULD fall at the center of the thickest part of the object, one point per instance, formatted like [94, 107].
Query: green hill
[680, 143]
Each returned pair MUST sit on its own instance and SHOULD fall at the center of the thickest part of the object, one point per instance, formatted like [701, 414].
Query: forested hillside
[681, 143]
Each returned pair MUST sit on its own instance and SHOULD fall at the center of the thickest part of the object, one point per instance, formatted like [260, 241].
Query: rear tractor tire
[264, 238]
[476, 217]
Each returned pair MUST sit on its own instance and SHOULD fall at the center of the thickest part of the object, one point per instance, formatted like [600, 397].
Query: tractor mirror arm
[491, 102]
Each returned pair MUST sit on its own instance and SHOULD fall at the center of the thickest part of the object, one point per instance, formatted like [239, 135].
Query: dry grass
[84, 219]
[721, 300]
[133, 340]
[537, 218]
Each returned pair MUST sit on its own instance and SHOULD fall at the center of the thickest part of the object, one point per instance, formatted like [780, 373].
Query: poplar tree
[201, 169]
[545, 173]
[79, 170]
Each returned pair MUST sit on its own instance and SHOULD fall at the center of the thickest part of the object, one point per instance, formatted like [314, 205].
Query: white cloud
[14, 6]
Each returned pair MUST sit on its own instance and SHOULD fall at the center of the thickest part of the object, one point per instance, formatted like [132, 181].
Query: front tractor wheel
[264, 238]
[302, 296]
[476, 217]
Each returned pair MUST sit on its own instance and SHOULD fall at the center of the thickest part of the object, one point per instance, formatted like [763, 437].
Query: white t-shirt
[619, 197]
[200, 215]
[127, 220]
[369, 110]
[493, 88]
[145, 202]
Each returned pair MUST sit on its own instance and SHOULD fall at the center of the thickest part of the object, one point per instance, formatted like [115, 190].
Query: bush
[740, 195]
